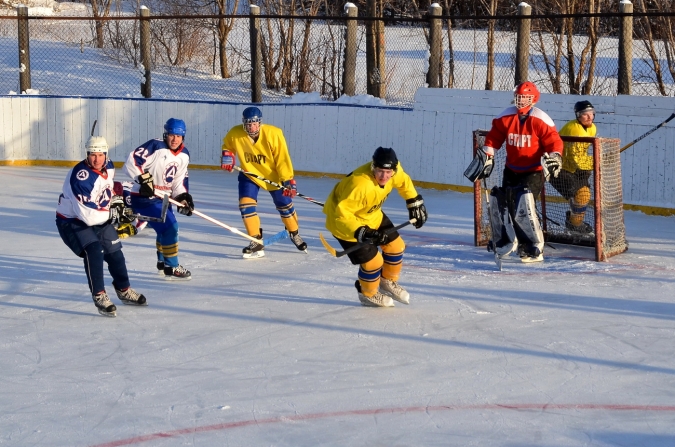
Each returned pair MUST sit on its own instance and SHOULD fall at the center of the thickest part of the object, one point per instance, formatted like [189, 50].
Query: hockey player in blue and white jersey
[86, 208]
[162, 165]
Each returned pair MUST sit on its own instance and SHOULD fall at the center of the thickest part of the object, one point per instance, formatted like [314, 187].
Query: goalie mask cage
[604, 212]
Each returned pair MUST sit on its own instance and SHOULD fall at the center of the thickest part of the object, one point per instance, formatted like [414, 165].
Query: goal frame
[600, 240]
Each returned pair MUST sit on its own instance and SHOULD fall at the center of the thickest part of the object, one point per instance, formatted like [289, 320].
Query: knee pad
[526, 219]
[248, 207]
[504, 239]
[580, 200]
[369, 275]
[392, 256]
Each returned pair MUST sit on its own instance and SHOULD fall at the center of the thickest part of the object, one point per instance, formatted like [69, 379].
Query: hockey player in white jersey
[162, 165]
[84, 214]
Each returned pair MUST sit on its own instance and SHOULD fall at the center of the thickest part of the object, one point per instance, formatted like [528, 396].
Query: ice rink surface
[279, 352]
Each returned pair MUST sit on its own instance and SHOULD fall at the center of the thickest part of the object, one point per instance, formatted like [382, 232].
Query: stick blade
[283, 234]
[327, 246]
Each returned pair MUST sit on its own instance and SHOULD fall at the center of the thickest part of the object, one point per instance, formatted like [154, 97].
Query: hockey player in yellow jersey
[261, 150]
[354, 216]
[573, 180]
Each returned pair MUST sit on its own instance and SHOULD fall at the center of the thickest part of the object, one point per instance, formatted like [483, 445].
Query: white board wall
[433, 139]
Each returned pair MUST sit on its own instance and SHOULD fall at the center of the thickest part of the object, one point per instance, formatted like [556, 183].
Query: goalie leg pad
[527, 222]
[504, 240]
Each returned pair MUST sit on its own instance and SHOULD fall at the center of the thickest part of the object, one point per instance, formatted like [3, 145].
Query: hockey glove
[147, 185]
[290, 188]
[552, 164]
[116, 208]
[480, 167]
[417, 210]
[227, 162]
[188, 205]
[368, 235]
[126, 230]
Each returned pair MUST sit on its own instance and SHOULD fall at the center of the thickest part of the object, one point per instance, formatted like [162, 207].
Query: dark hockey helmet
[385, 158]
[583, 106]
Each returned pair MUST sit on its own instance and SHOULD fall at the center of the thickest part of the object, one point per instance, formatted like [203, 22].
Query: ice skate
[531, 255]
[130, 296]
[297, 240]
[583, 228]
[160, 267]
[104, 305]
[254, 249]
[377, 300]
[180, 273]
[394, 290]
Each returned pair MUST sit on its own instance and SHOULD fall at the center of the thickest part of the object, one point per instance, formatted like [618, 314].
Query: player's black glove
[189, 205]
[147, 185]
[368, 235]
[116, 208]
[552, 164]
[417, 210]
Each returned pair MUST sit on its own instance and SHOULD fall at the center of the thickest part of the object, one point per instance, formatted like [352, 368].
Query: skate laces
[180, 270]
[129, 294]
[102, 300]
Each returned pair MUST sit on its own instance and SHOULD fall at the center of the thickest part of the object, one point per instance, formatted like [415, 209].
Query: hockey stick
[491, 244]
[162, 218]
[277, 237]
[339, 254]
[649, 132]
[270, 182]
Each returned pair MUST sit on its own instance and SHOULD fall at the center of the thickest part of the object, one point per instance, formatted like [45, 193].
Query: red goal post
[604, 212]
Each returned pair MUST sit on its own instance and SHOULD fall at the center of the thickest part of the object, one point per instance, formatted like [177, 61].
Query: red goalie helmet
[525, 95]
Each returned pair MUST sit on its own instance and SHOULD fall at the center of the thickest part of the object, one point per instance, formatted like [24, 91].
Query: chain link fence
[81, 56]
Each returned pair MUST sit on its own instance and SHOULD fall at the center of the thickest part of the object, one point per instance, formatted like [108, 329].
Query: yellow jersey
[575, 155]
[268, 157]
[357, 201]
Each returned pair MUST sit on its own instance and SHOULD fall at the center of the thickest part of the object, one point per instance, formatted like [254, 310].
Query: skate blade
[112, 314]
[176, 278]
[254, 255]
[498, 261]
[530, 260]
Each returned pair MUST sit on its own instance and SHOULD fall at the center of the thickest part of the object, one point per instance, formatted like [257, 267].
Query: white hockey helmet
[96, 145]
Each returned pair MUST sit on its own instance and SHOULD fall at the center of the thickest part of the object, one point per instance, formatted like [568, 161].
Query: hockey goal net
[604, 212]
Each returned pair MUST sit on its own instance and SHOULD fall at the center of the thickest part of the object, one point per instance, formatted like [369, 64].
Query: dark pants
[368, 251]
[95, 245]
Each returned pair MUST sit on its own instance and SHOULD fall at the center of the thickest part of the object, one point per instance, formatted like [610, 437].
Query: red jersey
[526, 141]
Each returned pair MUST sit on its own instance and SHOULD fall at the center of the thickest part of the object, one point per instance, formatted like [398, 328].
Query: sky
[279, 352]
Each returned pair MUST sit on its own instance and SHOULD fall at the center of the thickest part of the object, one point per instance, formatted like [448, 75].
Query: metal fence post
[435, 29]
[349, 74]
[24, 49]
[146, 86]
[625, 86]
[256, 54]
[523, 43]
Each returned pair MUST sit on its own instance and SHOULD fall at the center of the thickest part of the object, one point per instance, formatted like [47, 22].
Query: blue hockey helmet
[252, 115]
[175, 126]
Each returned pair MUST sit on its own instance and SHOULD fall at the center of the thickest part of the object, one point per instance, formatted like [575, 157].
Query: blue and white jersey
[86, 194]
[169, 169]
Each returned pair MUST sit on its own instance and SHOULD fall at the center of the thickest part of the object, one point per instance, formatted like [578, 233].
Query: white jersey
[86, 194]
[169, 169]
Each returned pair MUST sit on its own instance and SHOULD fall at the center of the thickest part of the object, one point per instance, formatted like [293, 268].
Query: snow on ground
[278, 351]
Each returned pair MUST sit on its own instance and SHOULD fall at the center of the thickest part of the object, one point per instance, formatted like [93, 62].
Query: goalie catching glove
[417, 211]
[188, 205]
[480, 167]
[147, 185]
[369, 236]
[552, 164]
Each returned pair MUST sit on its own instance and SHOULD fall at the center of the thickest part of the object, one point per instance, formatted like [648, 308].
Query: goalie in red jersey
[532, 146]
